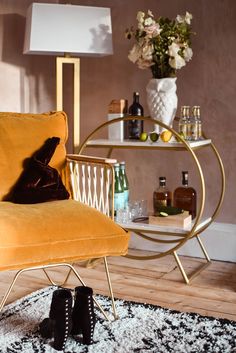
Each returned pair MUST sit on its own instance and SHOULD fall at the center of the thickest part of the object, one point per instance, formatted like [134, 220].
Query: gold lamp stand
[76, 101]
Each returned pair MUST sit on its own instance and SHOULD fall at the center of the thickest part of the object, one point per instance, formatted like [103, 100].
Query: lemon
[154, 136]
[166, 135]
[143, 136]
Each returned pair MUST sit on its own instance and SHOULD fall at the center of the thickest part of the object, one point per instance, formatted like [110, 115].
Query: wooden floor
[158, 282]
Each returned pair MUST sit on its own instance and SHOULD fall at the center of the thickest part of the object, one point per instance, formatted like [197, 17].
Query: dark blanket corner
[39, 182]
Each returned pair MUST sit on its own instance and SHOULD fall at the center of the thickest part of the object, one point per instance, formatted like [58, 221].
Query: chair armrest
[92, 181]
[90, 159]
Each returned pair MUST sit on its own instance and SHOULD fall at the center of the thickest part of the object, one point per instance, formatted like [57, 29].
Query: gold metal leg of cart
[186, 278]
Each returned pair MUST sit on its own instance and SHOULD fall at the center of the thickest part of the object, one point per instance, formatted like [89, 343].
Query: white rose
[180, 19]
[153, 30]
[150, 13]
[188, 17]
[173, 49]
[148, 22]
[134, 53]
[177, 62]
[140, 16]
[140, 26]
[147, 51]
[188, 53]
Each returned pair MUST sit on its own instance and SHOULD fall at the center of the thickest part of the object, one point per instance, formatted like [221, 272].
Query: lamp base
[76, 101]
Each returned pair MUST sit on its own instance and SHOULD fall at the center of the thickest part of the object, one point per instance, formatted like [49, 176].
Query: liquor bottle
[125, 183]
[197, 116]
[119, 191]
[193, 130]
[183, 122]
[185, 197]
[134, 128]
[161, 196]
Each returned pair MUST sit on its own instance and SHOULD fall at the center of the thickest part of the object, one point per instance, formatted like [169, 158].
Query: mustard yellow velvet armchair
[55, 233]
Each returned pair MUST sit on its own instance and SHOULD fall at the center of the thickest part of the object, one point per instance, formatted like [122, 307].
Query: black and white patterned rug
[142, 328]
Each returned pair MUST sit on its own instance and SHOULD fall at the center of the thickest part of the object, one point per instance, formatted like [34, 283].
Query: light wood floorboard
[158, 282]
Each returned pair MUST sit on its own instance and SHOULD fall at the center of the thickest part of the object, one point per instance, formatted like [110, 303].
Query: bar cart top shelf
[147, 144]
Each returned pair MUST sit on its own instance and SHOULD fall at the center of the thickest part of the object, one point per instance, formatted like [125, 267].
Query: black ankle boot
[59, 323]
[83, 317]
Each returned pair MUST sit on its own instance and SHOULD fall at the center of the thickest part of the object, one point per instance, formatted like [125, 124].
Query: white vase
[162, 100]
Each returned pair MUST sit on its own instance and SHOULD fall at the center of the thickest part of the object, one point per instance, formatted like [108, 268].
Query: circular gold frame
[194, 231]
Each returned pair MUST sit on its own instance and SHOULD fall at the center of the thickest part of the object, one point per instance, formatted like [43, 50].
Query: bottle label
[183, 130]
[194, 132]
[126, 197]
[135, 128]
[161, 203]
[199, 131]
[119, 201]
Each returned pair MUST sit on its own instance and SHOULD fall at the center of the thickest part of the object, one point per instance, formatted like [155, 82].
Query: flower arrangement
[163, 45]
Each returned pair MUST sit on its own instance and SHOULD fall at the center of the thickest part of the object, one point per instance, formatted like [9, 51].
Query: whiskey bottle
[185, 197]
[161, 196]
[125, 183]
[134, 128]
[119, 191]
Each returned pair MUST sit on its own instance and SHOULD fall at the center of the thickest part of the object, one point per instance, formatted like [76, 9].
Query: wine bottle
[119, 191]
[185, 197]
[134, 128]
[161, 196]
[125, 183]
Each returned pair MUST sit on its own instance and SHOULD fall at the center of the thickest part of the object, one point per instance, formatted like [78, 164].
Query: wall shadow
[39, 70]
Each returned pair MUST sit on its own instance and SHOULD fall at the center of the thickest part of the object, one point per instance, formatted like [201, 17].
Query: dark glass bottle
[134, 128]
[185, 197]
[161, 196]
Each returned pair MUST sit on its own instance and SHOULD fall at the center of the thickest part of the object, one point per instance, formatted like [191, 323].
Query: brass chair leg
[57, 284]
[186, 278]
[110, 289]
[72, 269]
[4, 299]
[93, 262]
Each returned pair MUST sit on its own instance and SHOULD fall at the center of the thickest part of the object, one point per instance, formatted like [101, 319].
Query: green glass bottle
[125, 183]
[119, 191]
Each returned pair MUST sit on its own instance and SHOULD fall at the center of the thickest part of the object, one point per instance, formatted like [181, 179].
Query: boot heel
[83, 317]
[59, 323]
[46, 328]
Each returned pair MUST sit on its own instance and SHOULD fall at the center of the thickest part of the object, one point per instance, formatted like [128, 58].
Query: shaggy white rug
[142, 328]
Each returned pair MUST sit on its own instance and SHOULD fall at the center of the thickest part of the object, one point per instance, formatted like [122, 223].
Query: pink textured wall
[27, 83]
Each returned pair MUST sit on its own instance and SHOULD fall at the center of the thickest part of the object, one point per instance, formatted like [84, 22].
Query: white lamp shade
[53, 29]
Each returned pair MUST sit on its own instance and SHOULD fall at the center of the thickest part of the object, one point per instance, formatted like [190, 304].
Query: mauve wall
[27, 83]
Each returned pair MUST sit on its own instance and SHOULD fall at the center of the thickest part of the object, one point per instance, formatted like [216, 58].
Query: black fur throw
[39, 182]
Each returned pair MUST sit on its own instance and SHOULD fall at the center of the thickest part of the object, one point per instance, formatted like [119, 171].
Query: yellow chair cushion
[57, 231]
[23, 134]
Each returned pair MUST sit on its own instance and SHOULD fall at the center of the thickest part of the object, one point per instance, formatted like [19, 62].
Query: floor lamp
[68, 32]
